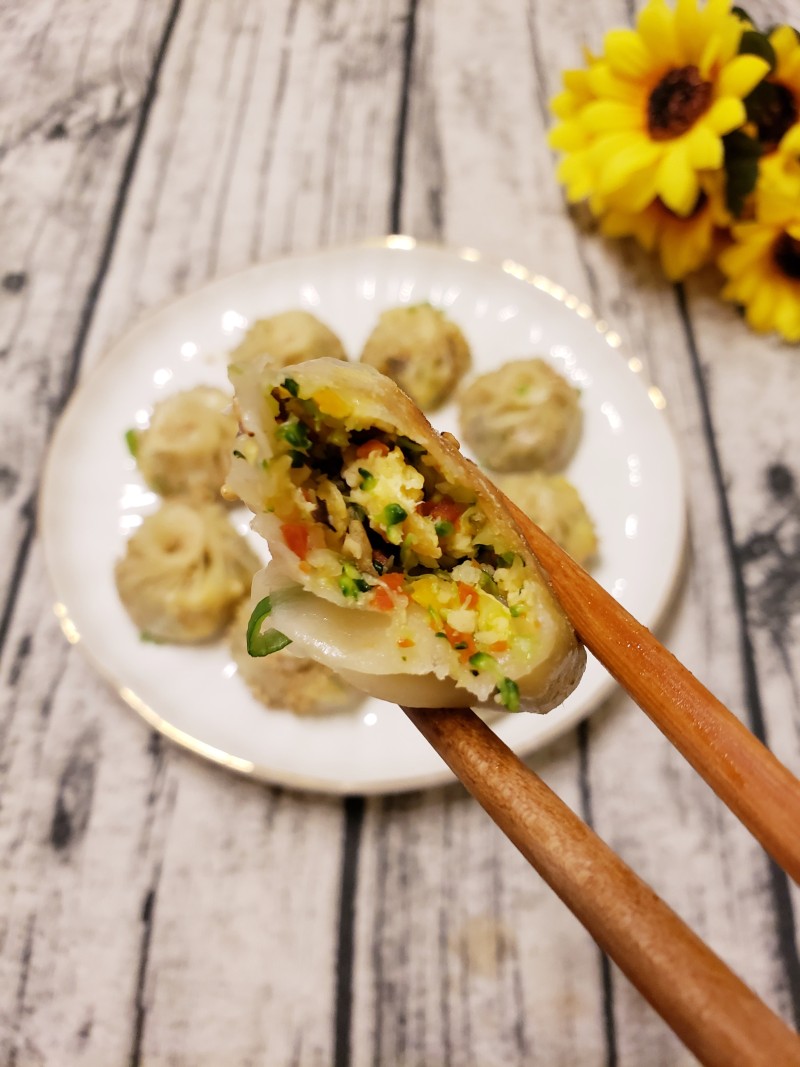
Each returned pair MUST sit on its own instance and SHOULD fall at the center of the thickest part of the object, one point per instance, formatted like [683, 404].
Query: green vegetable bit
[443, 528]
[516, 610]
[132, 441]
[291, 386]
[265, 644]
[482, 661]
[295, 433]
[367, 479]
[238, 454]
[351, 583]
[509, 694]
[393, 514]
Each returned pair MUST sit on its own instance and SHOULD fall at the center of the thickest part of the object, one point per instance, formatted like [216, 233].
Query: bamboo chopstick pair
[713, 1012]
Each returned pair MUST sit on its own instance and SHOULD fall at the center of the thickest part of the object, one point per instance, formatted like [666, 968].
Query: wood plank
[241, 903]
[476, 137]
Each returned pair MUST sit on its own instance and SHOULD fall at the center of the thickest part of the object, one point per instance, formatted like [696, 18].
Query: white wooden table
[157, 910]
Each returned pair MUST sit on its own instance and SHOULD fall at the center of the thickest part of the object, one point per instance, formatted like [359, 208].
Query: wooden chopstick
[755, 785]
[713, 1012]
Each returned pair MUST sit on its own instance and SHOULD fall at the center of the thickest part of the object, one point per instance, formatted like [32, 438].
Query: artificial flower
[657, 104]
[683, 243]
[763, 264]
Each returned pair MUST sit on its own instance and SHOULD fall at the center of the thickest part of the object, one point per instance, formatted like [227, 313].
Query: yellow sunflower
[684, 243]
[778, 124]
[763, 264]
[658, 102]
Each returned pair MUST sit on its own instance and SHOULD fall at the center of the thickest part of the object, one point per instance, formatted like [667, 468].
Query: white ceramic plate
[626, 469]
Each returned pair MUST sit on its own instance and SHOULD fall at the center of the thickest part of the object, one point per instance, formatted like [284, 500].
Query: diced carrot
[446, 510]
[295, 534]
[381, 599]
[465, 640]
[373, 445]
[395, 581]
[499, 646]
[405, 642]
[467, 595]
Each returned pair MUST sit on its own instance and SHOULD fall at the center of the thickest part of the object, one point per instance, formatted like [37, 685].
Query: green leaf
[291, 386]
[509, 694]
[265, 644]
[741, 14]
[753, 43]
[741, 168]
[132, 441]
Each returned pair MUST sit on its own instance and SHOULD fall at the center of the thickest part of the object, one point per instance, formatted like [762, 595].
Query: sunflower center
[677, 102]
[786, 254]
[777, 113]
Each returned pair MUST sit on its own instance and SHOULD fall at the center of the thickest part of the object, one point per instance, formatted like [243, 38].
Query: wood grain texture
[713, 1012]
[160, 911]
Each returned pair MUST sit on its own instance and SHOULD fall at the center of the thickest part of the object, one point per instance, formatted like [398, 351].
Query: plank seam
[345, 950]
[90, 304]
[148, 915]
[606, 973]
[779, 882]
[396, 208]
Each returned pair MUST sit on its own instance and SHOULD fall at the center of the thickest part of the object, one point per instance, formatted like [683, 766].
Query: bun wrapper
[393, 559]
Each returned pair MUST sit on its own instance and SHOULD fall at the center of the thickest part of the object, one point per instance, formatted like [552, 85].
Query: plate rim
[400, 243]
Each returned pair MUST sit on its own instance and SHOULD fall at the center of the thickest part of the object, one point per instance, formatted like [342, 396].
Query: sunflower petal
[784, 41]
[760, 310]
[741, 76]
[567, 137]
[603, 116]
[725, 115]
[620, 166]
[705, 148]
[689, 29]
[604, 83]
[787, 314]
[637, 192]
[627, 54]
[656, 27]
[576, 176]
[677, 182]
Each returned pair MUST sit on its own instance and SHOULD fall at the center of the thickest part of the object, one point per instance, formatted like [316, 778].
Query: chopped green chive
[351, 583]
[299, 459]
[444, 528]
[460, 645]
[407, 445]
[237, 453]
[358, 511]
[295, 433]
[367, 479]
[506, 558]
[132, 441]
[393, 514]
[488, 584]
[441, 633]
[516, 610]
[509, 694]
[265, 644]
[482, 661]
[291, 386]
